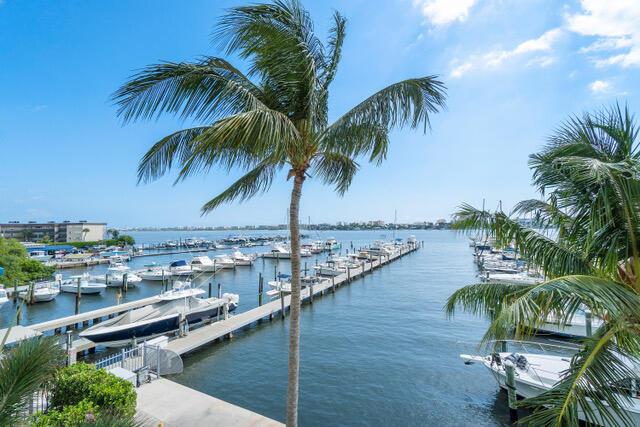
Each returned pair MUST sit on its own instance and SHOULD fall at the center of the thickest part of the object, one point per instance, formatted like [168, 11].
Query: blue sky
[514, 70]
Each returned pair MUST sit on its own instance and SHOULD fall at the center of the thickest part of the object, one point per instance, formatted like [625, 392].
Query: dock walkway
[157, 404]
[224, 328]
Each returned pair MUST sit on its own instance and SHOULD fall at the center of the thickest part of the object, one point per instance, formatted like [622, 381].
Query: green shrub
[107, 392]
[69, 416]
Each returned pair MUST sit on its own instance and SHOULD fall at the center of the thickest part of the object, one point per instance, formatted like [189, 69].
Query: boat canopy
[178, 263]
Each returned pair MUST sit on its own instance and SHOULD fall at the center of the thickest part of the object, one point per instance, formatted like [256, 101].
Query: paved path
[174, 405]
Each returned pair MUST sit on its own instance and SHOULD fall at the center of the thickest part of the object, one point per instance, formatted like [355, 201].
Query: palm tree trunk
[294, 318]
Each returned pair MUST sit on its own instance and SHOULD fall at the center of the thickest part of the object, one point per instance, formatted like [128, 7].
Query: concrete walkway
[172, 405]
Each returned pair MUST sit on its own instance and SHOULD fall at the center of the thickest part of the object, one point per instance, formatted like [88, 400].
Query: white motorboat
[42, 292]
[154, 273]
[518, 278]
[576, 326]
[412, 240]
[115, 275]
[280, 251]
[537, 373]
[204, 264]
[4, 296]
[334, 266]
[242, 259]
[181, 303]
[86, 286]
[180, 268]
[225, 261]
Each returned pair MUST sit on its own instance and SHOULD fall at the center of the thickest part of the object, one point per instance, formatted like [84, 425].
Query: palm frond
[589, 386]
[335, 169]
[23, 370]
[205, 90]
[256, 181]
[242, 140]
[355, 140]
[336, 39]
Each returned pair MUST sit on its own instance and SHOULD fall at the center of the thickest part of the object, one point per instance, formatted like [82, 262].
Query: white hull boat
[225, 261]
[537, 373]
[86, 287]
[154, 273]
[114, 277]
[204, 264]
[4, 298]
[242, 259]
[180, 269]
[159, 318]
[44, 292]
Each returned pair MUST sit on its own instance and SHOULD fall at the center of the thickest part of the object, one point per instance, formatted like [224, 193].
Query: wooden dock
[225, 328]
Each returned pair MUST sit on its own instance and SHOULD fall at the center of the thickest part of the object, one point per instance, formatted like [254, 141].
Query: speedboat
[224, 261]
[517, 279]
[180, 268]
[538, 373]
[86, 287]
[4, 297]
[42, 292]
[332, 245]
[204, 264]
[115, 276]
[161, 317]
[153, 272]
[242, 259]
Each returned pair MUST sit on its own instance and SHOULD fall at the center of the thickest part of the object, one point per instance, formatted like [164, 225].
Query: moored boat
[87, 287]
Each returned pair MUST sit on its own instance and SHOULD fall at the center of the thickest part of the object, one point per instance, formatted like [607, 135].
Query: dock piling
[209, 289]
[125, 282]
[260, 289]
[15, 291]
[282, 303]
[587, 319]
[511, 391]
[78, 293]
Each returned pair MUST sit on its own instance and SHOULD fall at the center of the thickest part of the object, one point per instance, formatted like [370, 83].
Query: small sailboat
[86, 286]
[161, 317]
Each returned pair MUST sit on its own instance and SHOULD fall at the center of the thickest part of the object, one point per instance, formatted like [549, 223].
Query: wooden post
[511, 391]
[282, 302]
[69, 342]
[164, 284]
[18, 314]
[78, 293]
[348, 274]
[15, 291]
[209, 289]
[587, 319]
[260, 289]
[106, 279]
[125, 282]
[333, 284]
[219, 290]
[311, 293]
[305, 268]
[31, 296]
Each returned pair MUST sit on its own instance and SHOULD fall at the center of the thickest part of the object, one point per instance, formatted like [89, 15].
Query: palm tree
[585, 239]
[23, 371]
[274, 117]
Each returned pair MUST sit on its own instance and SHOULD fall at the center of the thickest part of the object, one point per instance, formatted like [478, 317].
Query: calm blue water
[378, 352]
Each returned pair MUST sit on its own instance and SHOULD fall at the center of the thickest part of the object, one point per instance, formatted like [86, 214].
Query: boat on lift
[179, 304]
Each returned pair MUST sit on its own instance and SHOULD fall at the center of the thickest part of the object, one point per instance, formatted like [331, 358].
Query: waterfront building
[66, 231]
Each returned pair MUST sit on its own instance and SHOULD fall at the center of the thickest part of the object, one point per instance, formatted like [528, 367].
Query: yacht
[161, 317]
[86, 286]
[225, 261]
[204, 264]
[180, 268]
[42, 292]
[280, 251]
[538, 373]
[334, 266]
[242, 259]
[114, 277]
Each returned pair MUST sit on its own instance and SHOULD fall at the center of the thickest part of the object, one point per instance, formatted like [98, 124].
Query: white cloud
[600, 86]
[443, 12]
[461, 70]
[495, 58]
[616, 24]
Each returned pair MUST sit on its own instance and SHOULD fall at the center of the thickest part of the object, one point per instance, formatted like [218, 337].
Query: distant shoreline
[444, 226]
